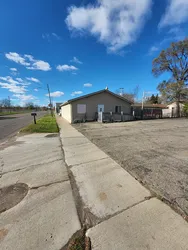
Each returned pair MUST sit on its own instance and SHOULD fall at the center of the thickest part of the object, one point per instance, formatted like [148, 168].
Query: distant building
[150, 111]
[172, 109]
[89, 107]
[58, 107]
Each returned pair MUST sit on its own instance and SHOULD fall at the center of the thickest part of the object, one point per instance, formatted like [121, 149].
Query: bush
[185, 109]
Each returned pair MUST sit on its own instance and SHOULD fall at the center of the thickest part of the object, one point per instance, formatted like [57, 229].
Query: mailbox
[34, 114]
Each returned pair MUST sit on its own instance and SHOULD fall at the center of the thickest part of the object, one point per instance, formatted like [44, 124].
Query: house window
[117, 109]
[81, 108]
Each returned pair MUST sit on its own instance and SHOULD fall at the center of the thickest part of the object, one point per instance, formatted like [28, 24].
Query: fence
[147, 113]
[113, 117]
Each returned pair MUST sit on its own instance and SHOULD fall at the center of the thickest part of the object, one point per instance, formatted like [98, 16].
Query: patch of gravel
[155, 152]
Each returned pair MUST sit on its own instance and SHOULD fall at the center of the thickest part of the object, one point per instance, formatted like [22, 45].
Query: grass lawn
[46, 124]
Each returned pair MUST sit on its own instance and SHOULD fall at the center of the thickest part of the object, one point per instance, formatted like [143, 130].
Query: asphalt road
[11, 124]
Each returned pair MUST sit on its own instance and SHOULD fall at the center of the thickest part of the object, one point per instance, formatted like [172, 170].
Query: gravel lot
[155, 152]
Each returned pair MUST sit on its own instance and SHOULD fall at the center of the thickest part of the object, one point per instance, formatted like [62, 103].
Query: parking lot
[154, 151]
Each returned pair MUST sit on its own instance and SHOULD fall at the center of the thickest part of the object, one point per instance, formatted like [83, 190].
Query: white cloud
[152, 50]
[76, 60]
[56, 94]
[40, 65]
[116, 23]
[13, 69]
[51, 36]
[56, 36]
[15, 57]
[28, 61]
[30, 57]
[17, 86]
[12, 85]
[176, 13]
[87, 84]
[36, 90]
[9, 79]
[13, 88]
[24, 98]
[46, 36]
[76, 93]
[19, 80]
[33, 79]
[66, 67]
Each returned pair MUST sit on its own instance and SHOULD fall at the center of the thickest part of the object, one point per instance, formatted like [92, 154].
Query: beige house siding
[66, 112]
[172, 109]
[109, 101]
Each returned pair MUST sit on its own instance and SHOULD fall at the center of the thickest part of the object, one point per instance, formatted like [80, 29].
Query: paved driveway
[11, 124]
[155, 152]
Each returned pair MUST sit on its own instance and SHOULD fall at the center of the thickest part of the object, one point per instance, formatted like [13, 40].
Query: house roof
[163, 106]
[95, 93]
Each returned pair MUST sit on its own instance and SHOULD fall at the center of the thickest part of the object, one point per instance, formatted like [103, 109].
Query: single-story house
[150, 111]
[172, 109]
[87, 107]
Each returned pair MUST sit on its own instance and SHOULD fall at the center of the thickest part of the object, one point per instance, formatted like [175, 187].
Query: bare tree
[131, 96]
[173, 60]
[5, 103]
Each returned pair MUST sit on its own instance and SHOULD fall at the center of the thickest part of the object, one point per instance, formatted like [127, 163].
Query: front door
[101, 108]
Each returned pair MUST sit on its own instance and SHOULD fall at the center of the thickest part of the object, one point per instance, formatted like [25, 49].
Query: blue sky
[78, 47]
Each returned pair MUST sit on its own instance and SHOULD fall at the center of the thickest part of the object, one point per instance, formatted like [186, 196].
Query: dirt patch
[3, 233]
[12, 195]
[78, 241]
[155, 152]
[103, 196]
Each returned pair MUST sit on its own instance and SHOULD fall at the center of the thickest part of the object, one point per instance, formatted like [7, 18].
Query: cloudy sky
[78, 47]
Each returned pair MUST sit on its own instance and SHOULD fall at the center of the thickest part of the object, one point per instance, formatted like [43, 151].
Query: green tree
[185, 109]
[153, 99]
[173, 60]
[29, 105]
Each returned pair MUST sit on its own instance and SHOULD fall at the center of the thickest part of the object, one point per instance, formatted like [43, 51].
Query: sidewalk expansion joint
[19, 169]
[49, 184]
[71, 166]
[119, 212]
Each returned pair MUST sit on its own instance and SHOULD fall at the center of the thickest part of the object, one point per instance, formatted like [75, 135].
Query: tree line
[6, 103]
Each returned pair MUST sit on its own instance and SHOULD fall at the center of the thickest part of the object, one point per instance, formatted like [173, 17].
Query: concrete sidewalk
[120, 212]
[38, 212]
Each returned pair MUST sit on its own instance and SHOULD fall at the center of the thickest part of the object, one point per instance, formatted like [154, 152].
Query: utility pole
[50, 100]
[143, 97]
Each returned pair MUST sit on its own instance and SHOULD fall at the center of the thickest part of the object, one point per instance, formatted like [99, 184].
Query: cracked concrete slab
[149, 225]
[25, 155]
[38, 175]
[46, 218]
[106, 188]
[73, 141]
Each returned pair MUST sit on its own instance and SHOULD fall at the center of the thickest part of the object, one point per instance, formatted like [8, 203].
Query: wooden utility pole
[50, 100]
